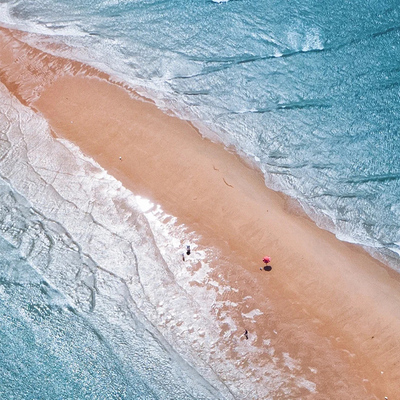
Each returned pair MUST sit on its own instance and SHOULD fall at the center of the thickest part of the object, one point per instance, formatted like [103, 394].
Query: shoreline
[338, 296]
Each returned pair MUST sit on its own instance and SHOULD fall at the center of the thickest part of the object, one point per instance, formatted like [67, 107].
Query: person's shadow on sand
[267, 268]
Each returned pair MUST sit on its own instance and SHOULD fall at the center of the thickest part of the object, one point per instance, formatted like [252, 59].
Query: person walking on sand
[188, 250]
[246, 334]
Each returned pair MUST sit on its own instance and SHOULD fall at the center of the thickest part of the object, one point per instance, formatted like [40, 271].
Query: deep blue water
[307, 90]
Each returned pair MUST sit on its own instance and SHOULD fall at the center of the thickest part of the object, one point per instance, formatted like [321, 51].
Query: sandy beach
[324, 301]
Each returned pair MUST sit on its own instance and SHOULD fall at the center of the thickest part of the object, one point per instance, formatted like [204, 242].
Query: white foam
[47, 28]
[253, 313]
[306, 384]
[145, 205]
[290, 362]
[313, 40]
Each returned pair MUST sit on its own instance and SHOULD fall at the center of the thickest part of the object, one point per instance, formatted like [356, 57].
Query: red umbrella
[266, 259]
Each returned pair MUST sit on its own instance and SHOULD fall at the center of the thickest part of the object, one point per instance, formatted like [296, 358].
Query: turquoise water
[308, 91]
[76, 341]
[48, 350]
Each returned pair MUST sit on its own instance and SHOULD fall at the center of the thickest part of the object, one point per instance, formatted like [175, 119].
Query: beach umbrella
[266, 259]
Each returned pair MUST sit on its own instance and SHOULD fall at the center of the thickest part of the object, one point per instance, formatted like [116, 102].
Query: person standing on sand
[246, 334]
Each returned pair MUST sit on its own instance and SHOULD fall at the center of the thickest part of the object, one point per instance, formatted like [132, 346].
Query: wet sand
[325, 302]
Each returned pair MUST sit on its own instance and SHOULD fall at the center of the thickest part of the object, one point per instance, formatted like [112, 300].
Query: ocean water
[307, 91]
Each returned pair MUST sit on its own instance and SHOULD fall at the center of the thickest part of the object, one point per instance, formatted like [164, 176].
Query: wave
[374, 178]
